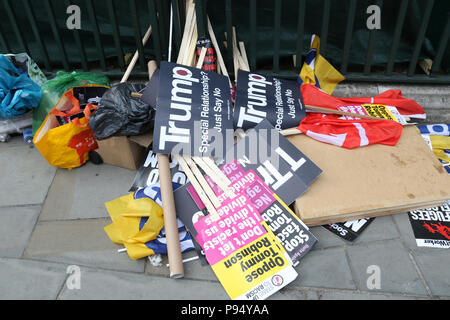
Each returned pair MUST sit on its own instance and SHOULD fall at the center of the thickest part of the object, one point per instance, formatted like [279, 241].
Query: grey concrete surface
[51, 219]
[16, 226]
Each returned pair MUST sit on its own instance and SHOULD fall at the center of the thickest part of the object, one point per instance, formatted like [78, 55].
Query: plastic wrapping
[53, 89]
[18, 93]
[119, 114]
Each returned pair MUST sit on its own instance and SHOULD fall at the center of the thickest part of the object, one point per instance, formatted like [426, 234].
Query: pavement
[52, 220]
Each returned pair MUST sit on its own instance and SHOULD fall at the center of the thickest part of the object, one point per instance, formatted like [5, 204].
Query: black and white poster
[349, 230]
[431, 226]
[148, 174]
[283, 167]
[259, 97]
[193, 113]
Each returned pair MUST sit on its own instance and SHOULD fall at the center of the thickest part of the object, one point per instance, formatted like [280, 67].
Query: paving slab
[79, 242]
[287, 293]
[16, 140]
[382, 228]
[406, 232]
[110, 285]
[25, 176]
[326, 238]
[16, 226]
[30, 280]
[340, 295]
[82, 192]
[397, 271]
[434, 266]
[324, 268]
[192, 270]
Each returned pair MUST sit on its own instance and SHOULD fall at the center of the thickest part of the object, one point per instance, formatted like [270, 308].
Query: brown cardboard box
[125, 152]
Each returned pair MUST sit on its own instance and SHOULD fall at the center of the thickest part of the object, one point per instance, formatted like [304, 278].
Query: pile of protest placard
[239, 179]
[238, 166]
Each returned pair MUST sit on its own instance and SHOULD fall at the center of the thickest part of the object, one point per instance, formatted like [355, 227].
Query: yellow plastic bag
[67, 145]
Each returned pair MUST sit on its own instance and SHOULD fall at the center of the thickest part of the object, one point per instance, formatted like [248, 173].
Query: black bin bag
[120, 114]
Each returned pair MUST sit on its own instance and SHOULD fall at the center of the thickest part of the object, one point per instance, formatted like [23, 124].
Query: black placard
[148, 174]
[259, 97]
[432, 226]
[193, 112]
[283, 167]
[349, 230]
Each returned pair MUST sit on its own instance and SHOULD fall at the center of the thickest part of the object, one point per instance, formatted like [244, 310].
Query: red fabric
[315, 97]
[350, 134]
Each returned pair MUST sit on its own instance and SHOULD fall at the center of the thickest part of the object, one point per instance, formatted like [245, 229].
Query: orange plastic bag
[65, 138]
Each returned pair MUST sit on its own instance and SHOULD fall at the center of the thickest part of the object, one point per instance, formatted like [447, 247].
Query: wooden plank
[371, 181]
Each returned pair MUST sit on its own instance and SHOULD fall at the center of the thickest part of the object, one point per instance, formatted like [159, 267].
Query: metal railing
[105, 36]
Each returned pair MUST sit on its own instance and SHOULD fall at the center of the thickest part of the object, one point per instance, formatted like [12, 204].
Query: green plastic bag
[53, 89]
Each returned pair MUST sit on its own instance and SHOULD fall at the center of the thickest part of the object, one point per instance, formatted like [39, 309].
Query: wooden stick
[189, 58]
[170, 218]
[208, 204]
[244, 56]
[342, 113]
[235, 54]
[169, 210]
[203, 183]
[136, 56]
[136, 95]
[152, 66]
[211, 163]
[290, 132]
[222, 181]
[218, 53]
[186, 34]
[201, 59]
[212, 170]
[241, 63]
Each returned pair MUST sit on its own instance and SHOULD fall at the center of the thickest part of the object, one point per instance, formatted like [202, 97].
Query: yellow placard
[251, 265]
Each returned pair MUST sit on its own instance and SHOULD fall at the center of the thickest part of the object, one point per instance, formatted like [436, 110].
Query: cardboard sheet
[371, 181]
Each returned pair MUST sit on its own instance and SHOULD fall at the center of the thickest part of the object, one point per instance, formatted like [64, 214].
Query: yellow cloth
[441, 143]
[135, 222]
[318, 71]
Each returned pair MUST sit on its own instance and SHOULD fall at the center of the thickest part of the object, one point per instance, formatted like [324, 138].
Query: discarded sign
[432, 226]
[259, 98]
[193, 112]
[282, 166]
[349, 230]
[242, 251]
[148, 174]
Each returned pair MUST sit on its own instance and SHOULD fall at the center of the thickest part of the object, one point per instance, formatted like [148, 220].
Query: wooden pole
[223, 68]
[169, 210]
[170, 218]
[136, 56]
